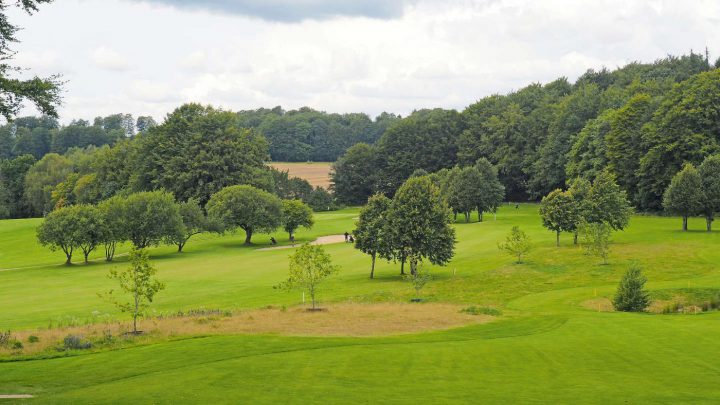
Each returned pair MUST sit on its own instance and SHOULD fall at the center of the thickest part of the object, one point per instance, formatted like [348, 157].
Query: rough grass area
[316, 173]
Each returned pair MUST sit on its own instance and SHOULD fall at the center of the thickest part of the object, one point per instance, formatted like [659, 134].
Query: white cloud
[430, 54]
[108, 59]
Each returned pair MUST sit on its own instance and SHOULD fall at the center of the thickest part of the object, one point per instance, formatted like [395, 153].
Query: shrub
[16, 344]
[475, 310]
[33, 339]
[75, 342]
[4, 338]
[631, 295]
[517, 244]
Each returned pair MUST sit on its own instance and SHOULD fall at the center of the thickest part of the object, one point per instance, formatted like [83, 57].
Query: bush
[4, 338]
[475, 310]
[631, 295]
[16, 344]
[75, 342]
[33, 339]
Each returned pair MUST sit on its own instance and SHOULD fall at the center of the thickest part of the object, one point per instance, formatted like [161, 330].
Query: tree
[151, 217]
[559, 213]
[354, 174]
[70, 228]
[517, 244]
[419, 220]
[597, 239]
[709, 172]
[295, 214]
[608, 204]
[580, 191]
[684, 196]
[137, 280]
[198, 151]
[194, 222]
[490, 191]
[309, 266]
[245, 207]
[12, 179]
[631, 295]
[44, 93]
[371, 233]
[464, 191]
[113, 213]
[92, 226]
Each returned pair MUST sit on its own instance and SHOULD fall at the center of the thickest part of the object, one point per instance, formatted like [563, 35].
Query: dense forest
[309, 135]
[641, 122]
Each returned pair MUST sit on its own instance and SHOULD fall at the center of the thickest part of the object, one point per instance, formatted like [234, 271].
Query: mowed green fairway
[548, 347]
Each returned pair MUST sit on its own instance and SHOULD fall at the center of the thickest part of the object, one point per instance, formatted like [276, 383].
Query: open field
[316, 173]
[556, 341]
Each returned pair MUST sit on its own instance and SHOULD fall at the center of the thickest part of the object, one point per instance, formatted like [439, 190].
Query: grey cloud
[295, 10]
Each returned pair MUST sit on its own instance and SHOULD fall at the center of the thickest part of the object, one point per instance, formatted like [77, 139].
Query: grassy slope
[549, 349]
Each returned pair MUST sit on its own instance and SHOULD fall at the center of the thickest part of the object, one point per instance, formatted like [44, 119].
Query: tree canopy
[245, 207]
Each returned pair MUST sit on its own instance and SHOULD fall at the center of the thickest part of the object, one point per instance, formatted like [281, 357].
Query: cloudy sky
[147, 57]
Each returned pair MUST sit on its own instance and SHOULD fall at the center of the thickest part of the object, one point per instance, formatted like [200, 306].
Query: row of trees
[640, 122]
[411, 227]
[695, 192]
[150, 218]
[596, 207]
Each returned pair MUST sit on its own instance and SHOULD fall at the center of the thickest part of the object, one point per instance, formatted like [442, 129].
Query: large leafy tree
[198, 151]
[12, 182]
[464, 191]
[44, 93]
[71, 228]
[151, 217]
[245, 207]
[354, 175]
[608, 204]
[371, 230]
[559, 213]
[420, 219]
[684, 196]
[709, 172]
[113, 213]
[490, 190]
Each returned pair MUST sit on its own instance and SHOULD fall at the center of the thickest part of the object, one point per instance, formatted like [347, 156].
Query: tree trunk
[86, 253]
[68, 254]
[180, 247]
[557, 238]
[248, 236]
[575, 237]
[685, 222]
[480, 216]
[109, 251]
[402, 267]
[467, 217]
[413, 266]
[372, 269]
[135, 313]
[455, 216]
[709, 221]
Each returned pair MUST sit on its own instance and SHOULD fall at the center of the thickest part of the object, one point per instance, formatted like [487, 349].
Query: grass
[550, 343]
[316, 173]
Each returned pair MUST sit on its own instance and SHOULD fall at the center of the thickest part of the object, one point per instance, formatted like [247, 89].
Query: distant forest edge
[640, 122]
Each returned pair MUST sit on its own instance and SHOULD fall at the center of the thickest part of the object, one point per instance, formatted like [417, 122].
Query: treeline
[641, 122]
[38, 136]
[152, 218]
[309, 135]
[194, 153]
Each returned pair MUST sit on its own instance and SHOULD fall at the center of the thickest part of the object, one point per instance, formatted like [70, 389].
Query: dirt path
[21, 396]
[323, 240]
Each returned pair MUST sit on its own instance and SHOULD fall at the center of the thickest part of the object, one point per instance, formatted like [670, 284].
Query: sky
[147, 57]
